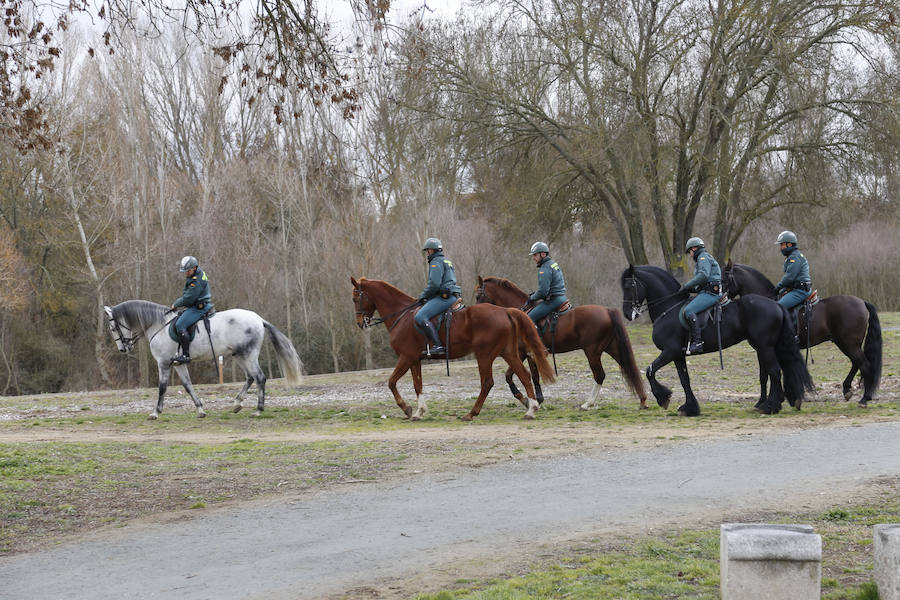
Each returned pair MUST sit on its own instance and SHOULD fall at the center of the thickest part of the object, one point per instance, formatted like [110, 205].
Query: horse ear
[480, 281]
[354, 282]
[630, 270]
[729, 265]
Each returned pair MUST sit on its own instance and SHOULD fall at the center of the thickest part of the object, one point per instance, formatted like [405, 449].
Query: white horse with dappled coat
[236, 332]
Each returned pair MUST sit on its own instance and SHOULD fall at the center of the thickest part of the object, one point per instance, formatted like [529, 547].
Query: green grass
[685, 564]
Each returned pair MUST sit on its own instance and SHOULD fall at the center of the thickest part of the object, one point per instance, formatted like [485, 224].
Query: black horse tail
[796, 378]
[627, 363]
[288, 359]
[526, 333]
[872, 351]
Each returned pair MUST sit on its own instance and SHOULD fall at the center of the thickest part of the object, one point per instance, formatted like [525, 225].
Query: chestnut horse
[592, 328]
[485, 330]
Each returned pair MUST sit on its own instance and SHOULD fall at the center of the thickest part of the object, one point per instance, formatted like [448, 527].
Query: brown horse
[487, 331]
[592, 328]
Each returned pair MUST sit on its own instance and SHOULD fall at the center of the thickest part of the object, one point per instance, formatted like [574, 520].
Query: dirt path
[380, 539]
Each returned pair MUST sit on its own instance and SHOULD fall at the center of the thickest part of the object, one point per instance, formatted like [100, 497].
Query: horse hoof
[153, 416]
[863, 403]
[408, 411]
[848, 394]
[528, 417]
[467, 417]
[415, 418]
[201, 414]
[256, 413]
[237, 408]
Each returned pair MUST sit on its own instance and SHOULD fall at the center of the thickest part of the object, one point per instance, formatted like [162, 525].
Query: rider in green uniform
[707, 283]
[440, 293]
[796, 283]
[551, 285]
[195, 299]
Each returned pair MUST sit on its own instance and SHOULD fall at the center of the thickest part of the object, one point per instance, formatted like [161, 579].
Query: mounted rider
[440, 293]
[796, 284]
[706, 282]
[551, 284]
[196, 301]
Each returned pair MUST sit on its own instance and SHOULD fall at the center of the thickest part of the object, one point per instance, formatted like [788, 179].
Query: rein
[638, 308]
[128, 342]
[369, 321]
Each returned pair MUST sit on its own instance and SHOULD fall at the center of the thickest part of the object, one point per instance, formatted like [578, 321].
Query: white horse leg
[164, 372]
[592, 401]
[186, 382]
[421, 408]
[237, 401]
[532, 406]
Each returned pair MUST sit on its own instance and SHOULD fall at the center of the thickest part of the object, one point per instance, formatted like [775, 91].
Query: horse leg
[421, 407]
[399, 371]
[487, 382]
[189, 388]
[769, 365]
[237, 400]
[593, 356]
[660, 392]
[164, 372]
[763, 381]
[847, 386]
[260, 378]
[536, 380]
[690, 408]
[513, 388]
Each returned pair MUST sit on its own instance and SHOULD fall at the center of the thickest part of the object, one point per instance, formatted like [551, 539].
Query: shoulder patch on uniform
[540, 272]
[433, 266]
[793, 260]
[702, 258]
[192, 285]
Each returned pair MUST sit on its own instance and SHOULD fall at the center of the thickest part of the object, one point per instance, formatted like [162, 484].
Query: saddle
[553, 317]
[704, 317]
[803, 311]
[192, 330]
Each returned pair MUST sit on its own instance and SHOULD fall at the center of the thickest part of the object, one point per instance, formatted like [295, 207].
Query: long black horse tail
[872, 351]
[796, 378]
[626, 360]
[288, 359]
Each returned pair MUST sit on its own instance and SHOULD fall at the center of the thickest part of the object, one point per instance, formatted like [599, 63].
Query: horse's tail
[796, 377]
[627, 363]
[872, 352]
[288, 359]
[525, 331]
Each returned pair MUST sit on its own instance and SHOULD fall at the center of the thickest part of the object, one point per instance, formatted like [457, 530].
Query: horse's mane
[503, 282]
[385, 285]
[755, 272]
[660, 275]
[139, 312]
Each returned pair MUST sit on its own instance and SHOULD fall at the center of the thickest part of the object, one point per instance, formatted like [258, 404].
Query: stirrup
[181, 359]
[434, 352]
[695, 348]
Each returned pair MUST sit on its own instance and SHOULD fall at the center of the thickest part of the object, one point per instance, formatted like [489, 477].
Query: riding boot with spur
[185, 356]
[696, 345]
[437, 349]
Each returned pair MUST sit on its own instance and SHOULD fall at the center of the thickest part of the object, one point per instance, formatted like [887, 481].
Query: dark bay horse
[485, 330]
[850, 322]
[764, 323]
[592, 328]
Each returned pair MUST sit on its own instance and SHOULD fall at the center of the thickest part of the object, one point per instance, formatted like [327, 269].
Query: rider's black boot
[696, 345]
[437, 349]
[185, 356]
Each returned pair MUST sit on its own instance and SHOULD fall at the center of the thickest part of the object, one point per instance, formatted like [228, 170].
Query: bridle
[638, 308]
[481, 295]
[367, 319]
[126, 341]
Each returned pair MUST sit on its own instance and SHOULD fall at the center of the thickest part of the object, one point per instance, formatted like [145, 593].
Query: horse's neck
[387, 302]
[145, 317]
[509, 295]
[660, 295]
[754, 282]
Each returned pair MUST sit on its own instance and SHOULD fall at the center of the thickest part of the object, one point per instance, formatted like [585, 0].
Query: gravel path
[367, 534]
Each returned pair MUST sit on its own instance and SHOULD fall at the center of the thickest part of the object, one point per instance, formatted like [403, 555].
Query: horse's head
[634, 294]
[120, 330]
[481, 295]
[499, 291]
[363, 303]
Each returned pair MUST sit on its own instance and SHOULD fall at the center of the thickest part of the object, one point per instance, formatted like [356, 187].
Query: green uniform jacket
[706, 271]
[441, 278]
[551, 283]
[196, 290]
[796, 271]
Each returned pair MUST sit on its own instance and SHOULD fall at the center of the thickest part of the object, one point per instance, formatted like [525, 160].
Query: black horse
[764, 323]
[850, 322]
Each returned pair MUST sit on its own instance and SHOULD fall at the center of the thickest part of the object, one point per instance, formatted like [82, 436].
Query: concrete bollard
[775, 562]
[887, 561]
